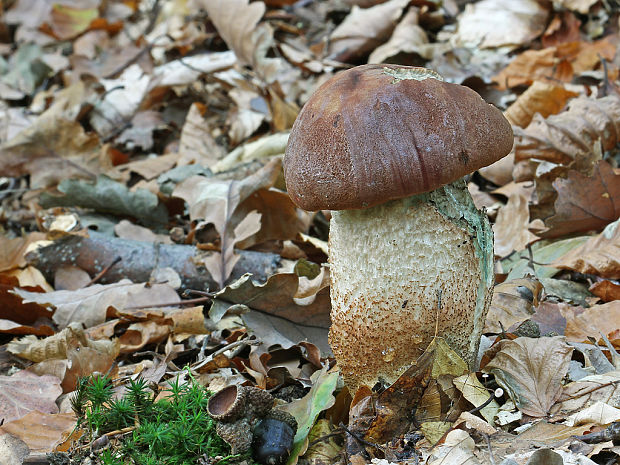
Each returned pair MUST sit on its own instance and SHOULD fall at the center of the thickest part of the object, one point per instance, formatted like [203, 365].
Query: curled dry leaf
[585, 203]
[364, 29]
[58, 345]
[531, 371]
[197, 145]
[496, 23]
[541, 97]
[558, 63]
[237, 23]
[510, 230]
[572, 135]
[600, 255]
[407, 37]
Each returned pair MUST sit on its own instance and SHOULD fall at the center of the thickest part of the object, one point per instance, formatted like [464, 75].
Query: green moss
[175, 430]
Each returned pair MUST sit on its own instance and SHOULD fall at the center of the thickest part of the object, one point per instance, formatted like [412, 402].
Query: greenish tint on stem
[454, 202]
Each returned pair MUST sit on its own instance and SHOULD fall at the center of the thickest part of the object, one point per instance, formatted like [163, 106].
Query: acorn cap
[227, 404]
[380, 132]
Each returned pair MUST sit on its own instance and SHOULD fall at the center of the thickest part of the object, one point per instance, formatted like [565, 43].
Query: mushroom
[386, 147]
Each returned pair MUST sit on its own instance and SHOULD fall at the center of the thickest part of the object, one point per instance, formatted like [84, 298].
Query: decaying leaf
[42, 431]
[606, 290]
[513, 302]
[408, 37]
[531, 371]
[25, 392]
[108, 196]
[545, 98]
[510, 230]
[306, 409]
[496, 23]
[595, 321]
[599, 255]
[585, 203]
[556, 63]
[364, 29]
[426, 384]
[586, 129]
[67, 22]
[587, 391]
[536, 258]
[215, 202]
[237, 23]
[90, 305]
[58, 345]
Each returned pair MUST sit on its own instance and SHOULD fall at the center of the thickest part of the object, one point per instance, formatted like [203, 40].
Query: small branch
[103, 272]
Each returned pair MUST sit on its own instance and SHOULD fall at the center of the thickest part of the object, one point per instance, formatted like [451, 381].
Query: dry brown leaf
[541, 97]
[237, 23]
[364, 29]
[558, 63]
[42, 432]
[215, 201]
[513, 302]
[24, 392]
[67, 22]
[585, 203]
[68, 277]
[125, 229]
[531, 371]
[572, 135]
[11, 309]
[279, 318]
[53, 149]
[407, 37]
[534, 65]
[12, 251]
[497, 23]
[581, 6]
[606, 290]
[564, 27]
[244, 120]
[582, 323]
[600, 255]
[81, 361]
[140, 131]
[59, 345]
[511, 226]
[90, 305]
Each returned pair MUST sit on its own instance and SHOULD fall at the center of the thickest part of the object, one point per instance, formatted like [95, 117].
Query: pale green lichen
[416, 74]
[455, 203]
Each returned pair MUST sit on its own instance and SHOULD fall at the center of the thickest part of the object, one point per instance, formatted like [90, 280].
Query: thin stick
[104, 271]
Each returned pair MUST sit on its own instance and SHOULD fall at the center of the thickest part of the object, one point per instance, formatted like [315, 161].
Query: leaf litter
[146, 229]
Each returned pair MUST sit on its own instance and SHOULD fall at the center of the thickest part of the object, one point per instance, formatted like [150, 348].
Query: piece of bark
[139, 259]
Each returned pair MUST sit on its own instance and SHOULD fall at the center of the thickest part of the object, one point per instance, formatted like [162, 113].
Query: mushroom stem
[403, 272]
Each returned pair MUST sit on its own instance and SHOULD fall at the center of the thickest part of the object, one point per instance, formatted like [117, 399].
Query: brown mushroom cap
[380, 132]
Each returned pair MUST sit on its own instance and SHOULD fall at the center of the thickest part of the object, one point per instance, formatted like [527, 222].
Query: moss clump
[139, 430]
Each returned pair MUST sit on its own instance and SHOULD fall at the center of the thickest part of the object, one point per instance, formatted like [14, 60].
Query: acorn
[273, 438]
